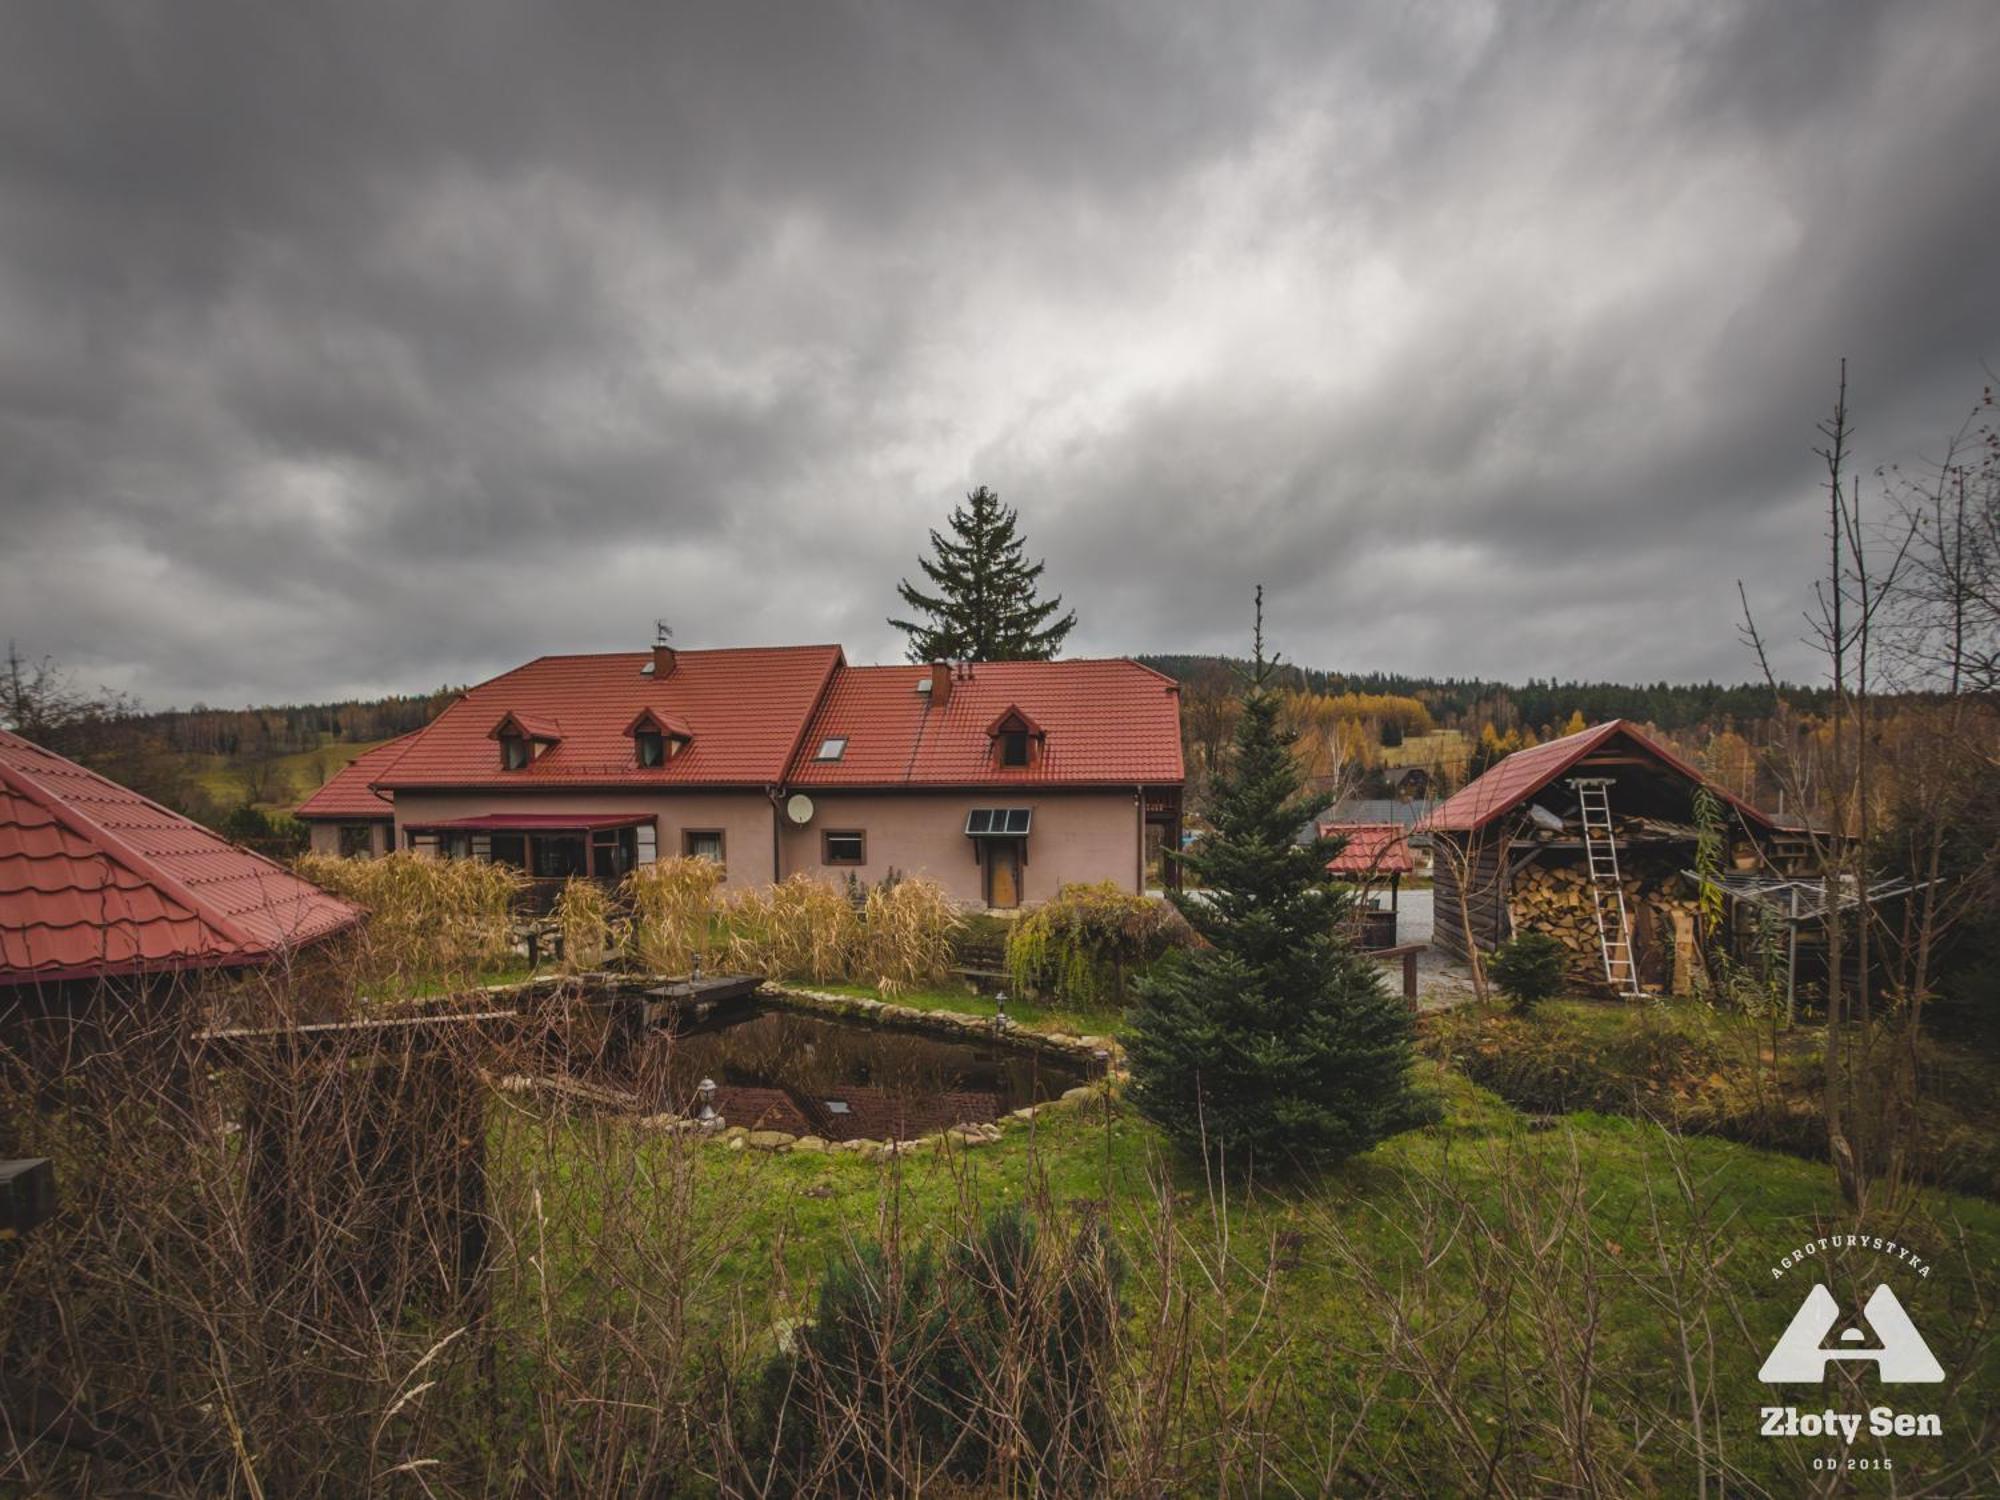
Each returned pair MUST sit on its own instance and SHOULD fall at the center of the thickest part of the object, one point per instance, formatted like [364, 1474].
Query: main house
[1001, 780]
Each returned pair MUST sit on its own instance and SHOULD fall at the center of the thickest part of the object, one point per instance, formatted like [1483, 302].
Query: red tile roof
[1111, 722]
[1371, 848]
[744, 709]
[757, 717]
[348, 794]
[95, 879]
[1517, 778]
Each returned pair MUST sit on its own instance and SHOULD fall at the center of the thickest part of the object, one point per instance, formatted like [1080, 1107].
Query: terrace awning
[533, 822]
[999, 822]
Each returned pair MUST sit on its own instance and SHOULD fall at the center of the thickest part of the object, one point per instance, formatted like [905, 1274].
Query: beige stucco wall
[1078, 836]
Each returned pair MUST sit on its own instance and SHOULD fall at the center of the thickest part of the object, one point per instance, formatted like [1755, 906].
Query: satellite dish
[799, 808]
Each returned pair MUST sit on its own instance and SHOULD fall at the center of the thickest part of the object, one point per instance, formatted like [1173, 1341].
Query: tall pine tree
[985, 607]
[1275, 1040]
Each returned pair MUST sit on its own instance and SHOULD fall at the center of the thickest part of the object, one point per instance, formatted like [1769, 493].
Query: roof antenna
[663, 633]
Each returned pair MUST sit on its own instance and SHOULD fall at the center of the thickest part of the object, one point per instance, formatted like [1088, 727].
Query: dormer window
[1017, 740]
[523, 737]
[656, 738]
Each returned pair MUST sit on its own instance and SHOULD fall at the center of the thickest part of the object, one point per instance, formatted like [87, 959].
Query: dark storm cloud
[355, 347]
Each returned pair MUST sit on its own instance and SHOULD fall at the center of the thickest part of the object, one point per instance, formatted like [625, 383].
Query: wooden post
[1792, 959]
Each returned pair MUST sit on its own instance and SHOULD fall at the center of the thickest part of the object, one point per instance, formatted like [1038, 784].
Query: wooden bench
[1407, 952]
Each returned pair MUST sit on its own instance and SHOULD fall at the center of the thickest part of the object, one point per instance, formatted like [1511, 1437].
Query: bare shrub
[338, 1263]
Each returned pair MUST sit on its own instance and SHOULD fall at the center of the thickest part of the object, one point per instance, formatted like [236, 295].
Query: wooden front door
[1003, 873]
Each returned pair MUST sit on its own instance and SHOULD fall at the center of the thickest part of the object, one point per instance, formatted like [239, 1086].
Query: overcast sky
[348, 348]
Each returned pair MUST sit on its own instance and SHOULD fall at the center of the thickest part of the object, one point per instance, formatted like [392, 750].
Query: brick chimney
[663, 662]
[940, 683]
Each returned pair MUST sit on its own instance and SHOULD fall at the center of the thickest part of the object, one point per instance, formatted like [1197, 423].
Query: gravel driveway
[1441, 980]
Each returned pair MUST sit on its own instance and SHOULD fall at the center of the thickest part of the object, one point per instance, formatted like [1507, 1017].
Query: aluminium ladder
[1607, 894]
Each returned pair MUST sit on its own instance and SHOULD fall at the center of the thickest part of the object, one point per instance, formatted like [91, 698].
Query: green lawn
[1050, 1018]
[1427, 1305]
[1717, 1072]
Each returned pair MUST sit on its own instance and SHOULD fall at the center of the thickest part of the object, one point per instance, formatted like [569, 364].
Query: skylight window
[833, 748]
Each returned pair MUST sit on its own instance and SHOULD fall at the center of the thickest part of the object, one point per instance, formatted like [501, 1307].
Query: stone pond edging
[946, 1023]
[954, 1025]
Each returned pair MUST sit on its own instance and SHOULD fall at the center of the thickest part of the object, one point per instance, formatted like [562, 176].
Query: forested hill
[286, 729]
[1469, 701]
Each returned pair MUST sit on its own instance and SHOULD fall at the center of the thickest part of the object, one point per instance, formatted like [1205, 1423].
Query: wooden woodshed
[1588, 839]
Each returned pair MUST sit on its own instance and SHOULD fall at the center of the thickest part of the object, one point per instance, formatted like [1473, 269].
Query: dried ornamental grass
[428, 918]
[675, 906]
[908, 927]
[583, 914]
[801, 928]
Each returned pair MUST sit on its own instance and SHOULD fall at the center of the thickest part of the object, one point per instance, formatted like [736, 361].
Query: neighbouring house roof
[348, 794]
[98, 880]
[1104, 722]
[1371, 849]
[1404, 814]
[1508, 785]
[744, 711]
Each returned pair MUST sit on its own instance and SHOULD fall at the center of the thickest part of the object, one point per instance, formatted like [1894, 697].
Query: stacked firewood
[1555, 898]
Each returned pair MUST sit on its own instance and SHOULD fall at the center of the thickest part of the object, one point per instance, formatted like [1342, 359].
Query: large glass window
[509, 849]
[613, 852]
[557, 855]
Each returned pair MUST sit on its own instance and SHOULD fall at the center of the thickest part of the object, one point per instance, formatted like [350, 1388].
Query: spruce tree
[986, 607]
[1275, 1040]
